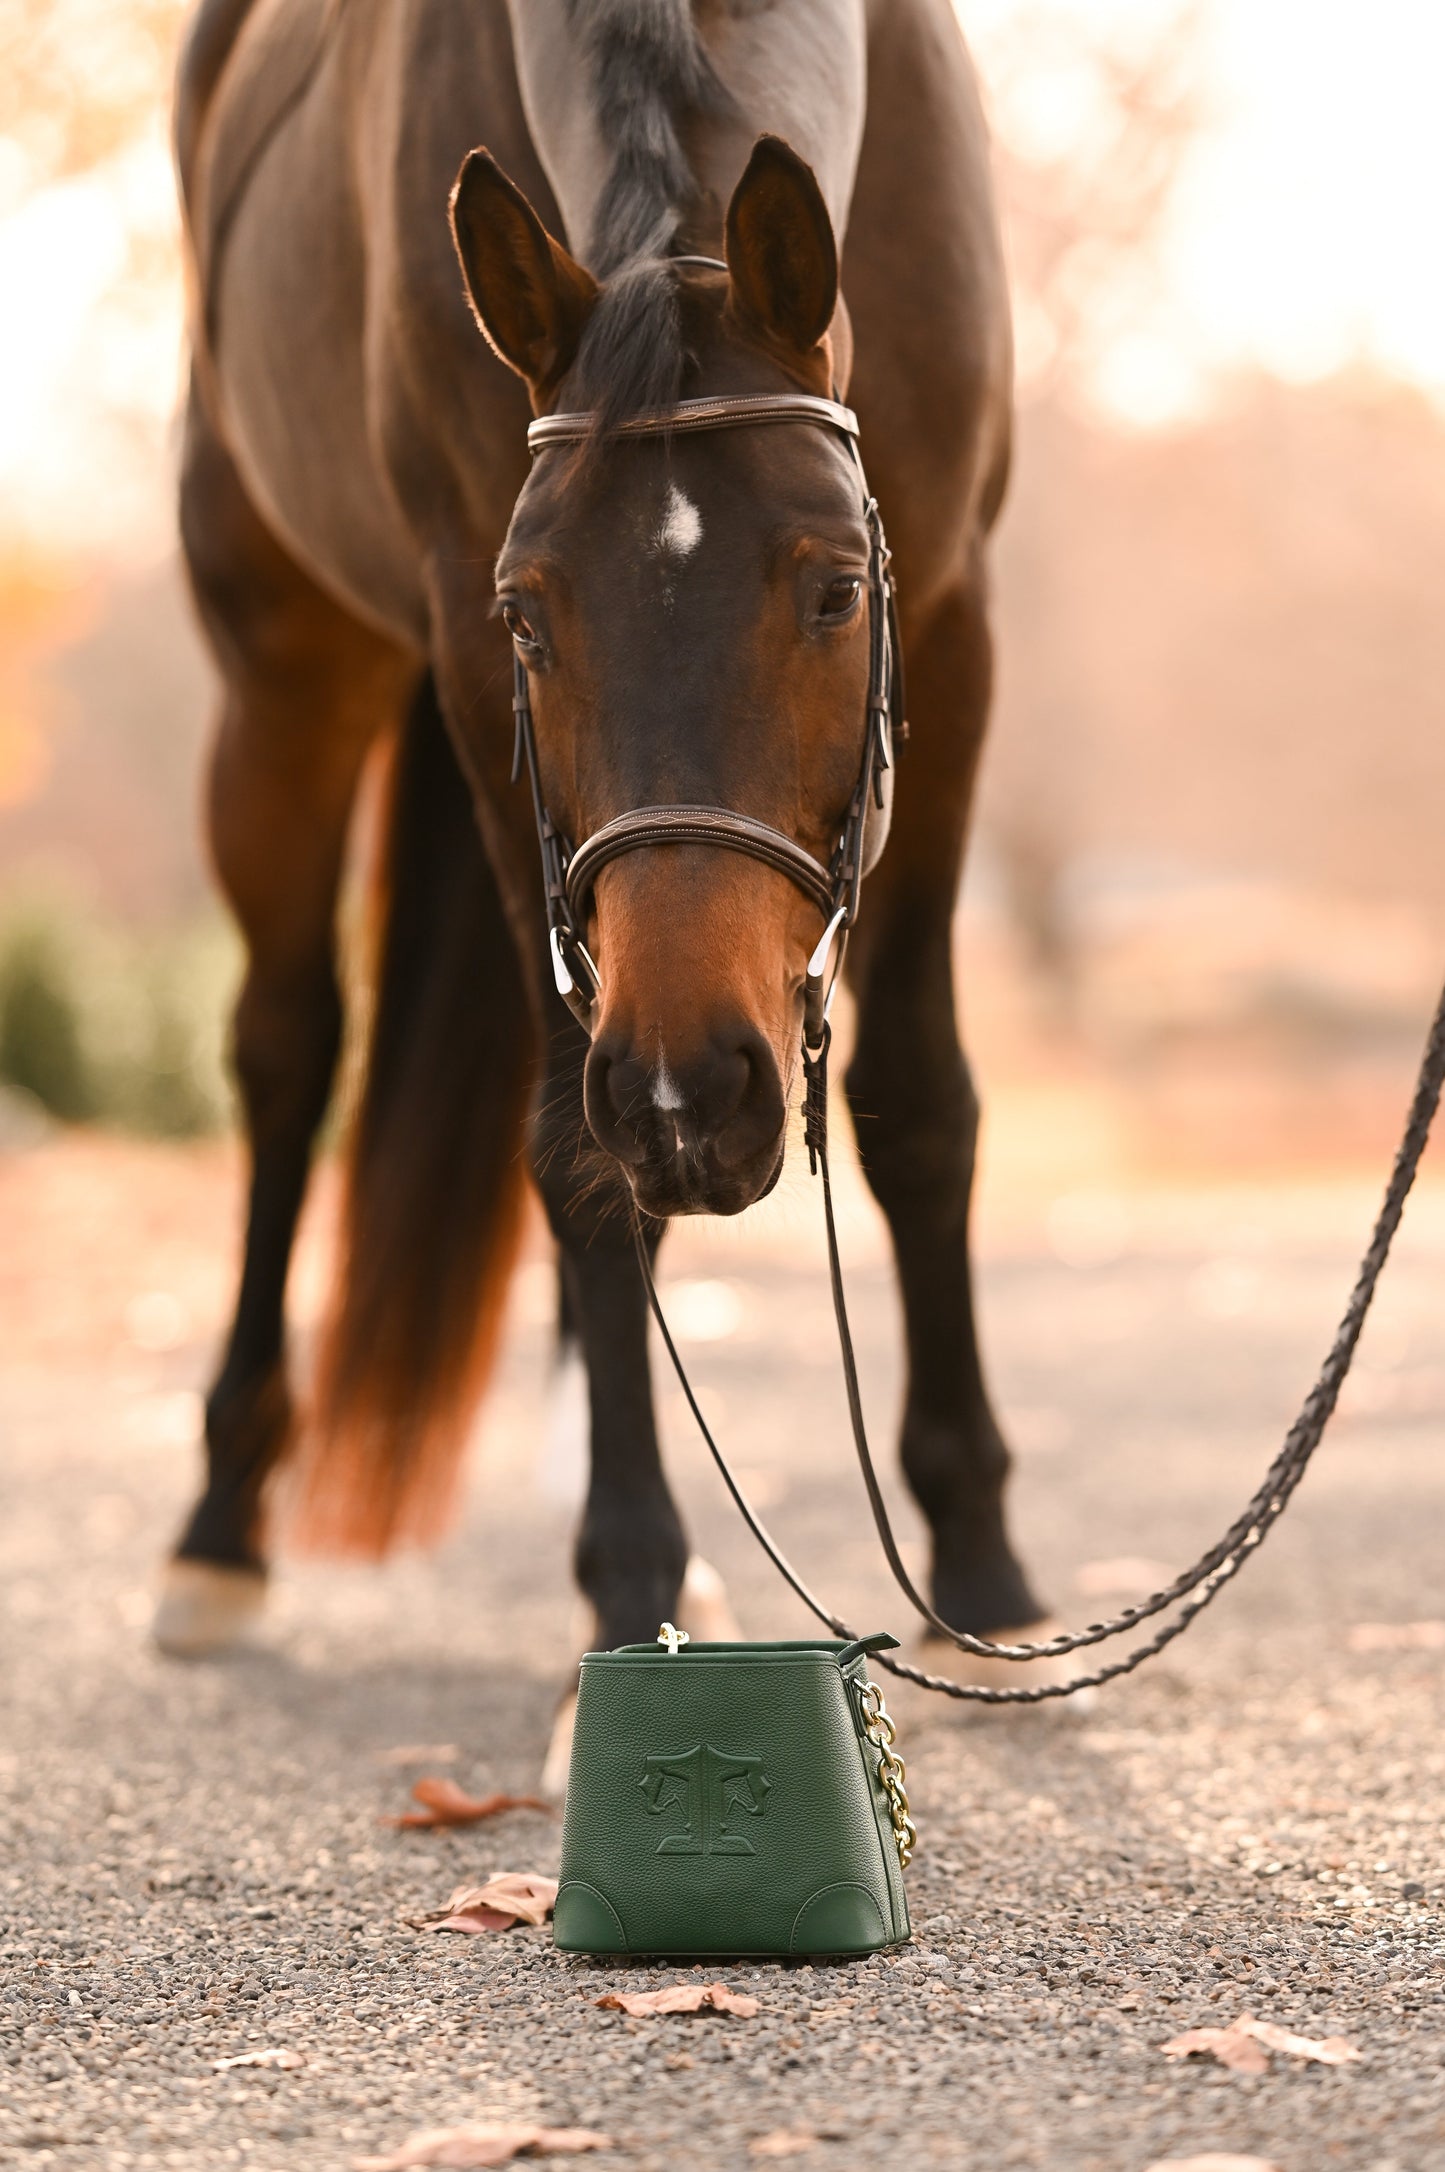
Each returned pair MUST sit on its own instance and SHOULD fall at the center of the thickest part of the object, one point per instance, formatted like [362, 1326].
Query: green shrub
[117, 1026]
[41, 1041]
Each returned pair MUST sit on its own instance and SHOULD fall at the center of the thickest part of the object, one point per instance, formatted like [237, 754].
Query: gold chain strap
[892, 1772]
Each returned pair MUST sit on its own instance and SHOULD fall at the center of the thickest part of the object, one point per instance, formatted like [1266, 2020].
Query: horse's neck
[794, 68]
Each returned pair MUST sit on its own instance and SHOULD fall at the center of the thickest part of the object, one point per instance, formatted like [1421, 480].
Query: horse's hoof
[940, 1657]
[702, 1605]
[206, 1607]
[559, 1751]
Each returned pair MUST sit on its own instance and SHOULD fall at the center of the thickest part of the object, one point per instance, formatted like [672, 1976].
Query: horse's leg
[305, 690]
[916, 1119]
[631, 1555]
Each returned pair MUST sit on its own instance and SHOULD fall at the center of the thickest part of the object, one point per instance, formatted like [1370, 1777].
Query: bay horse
[673, 200]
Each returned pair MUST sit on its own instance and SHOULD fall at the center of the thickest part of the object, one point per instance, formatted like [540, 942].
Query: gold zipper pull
[672, 1638]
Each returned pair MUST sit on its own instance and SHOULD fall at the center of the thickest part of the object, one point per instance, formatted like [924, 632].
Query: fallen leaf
[1213, 2161]
[475, 2146]
[1245, 2044]
[420, 1753]
[513, 1896]
[1231, 2047]
[270, 2057]
[683, 1998]
[444, 1803]
[1324, 2050]
[783, 2142]
[1398, 1636]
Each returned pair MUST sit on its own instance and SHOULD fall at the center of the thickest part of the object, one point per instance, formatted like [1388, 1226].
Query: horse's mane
[650, 72]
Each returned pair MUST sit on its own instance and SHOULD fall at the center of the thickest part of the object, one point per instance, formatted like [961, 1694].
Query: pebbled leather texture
[723, 1801]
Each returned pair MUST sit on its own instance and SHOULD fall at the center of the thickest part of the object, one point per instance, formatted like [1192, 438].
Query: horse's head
[693, 613]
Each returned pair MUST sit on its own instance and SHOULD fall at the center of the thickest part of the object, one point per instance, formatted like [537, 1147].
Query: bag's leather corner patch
[842, 1918]
[585, 1921]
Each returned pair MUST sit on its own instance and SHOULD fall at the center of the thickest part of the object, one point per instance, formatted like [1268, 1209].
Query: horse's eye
[840, 597]
[518, 625]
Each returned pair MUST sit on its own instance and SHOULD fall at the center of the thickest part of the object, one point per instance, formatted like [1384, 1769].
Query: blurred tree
[82, 79]
[1093, 112]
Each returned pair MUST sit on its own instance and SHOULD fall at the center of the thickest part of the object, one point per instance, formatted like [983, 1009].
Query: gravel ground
[193, 1863]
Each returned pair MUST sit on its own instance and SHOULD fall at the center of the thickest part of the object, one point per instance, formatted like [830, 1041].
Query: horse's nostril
[755, 1110]
[617, 1103]
[719, 1107]
[720, 1089]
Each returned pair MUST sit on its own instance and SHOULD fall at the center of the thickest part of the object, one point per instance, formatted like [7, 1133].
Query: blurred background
[1199, 940]
[1207, 900]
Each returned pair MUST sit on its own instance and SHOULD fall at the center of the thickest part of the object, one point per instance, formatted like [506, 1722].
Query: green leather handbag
[733, 1799]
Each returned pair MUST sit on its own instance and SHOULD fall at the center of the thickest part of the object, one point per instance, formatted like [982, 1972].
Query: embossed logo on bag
[711, 1792]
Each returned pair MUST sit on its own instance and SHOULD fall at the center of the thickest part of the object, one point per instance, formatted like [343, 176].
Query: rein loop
[568, 878]
[1195, 1587]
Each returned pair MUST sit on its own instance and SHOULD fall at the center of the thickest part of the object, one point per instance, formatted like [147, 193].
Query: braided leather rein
[568, 878]
[1196, 1587]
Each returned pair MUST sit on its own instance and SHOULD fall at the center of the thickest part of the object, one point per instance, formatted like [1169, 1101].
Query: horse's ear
[781, 253]
[531, 298]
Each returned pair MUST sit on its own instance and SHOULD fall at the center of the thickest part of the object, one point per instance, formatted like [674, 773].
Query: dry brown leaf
[1245, 2043]
[683, 1998]
[1324, 2050]
[420, 1753]
[513, 1896]
[270, 2057]
[444, 1803]
[484, 2145]
[1213, 2161]
[783, 2142]
[1231, 2047]
[1398, 1636]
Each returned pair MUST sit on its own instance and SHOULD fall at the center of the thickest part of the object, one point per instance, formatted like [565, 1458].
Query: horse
[412, 228]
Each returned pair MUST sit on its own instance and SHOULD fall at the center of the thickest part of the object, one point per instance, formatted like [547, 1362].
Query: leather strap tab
[880, 1641]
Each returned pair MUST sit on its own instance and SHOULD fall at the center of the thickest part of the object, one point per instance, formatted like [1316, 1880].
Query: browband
[695, 826]
[717, 414]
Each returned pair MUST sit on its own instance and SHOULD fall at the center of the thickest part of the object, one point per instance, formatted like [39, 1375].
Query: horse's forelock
[632, 354]
[650, 73]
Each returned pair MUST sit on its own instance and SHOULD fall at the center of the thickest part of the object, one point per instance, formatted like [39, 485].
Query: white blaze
[680, 529]
[665, 1091]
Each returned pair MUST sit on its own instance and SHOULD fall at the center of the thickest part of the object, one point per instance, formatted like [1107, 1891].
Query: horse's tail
[435, 1187]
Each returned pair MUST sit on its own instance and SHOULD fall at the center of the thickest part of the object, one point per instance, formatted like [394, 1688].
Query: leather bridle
[569, 872]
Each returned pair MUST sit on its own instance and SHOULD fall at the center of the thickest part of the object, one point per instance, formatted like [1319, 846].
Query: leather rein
[570, 871]
[569, 874]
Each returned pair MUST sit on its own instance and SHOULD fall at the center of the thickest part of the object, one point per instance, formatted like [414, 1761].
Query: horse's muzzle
[695, 1135]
